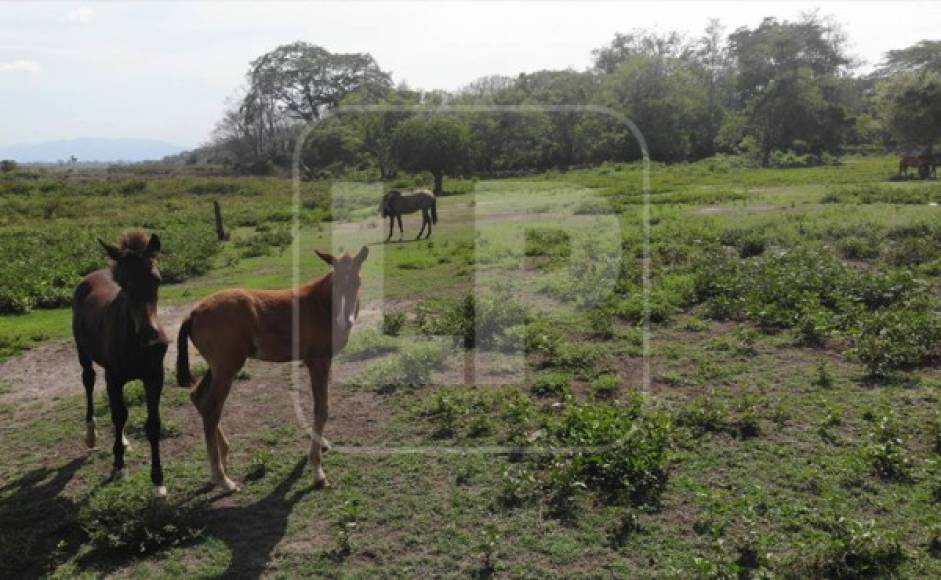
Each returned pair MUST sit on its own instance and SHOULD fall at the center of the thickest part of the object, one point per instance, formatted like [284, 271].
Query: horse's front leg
[153, 386]
[118, 419]
[401, 229]
[88, 381]
[319, 369]
[391, 227]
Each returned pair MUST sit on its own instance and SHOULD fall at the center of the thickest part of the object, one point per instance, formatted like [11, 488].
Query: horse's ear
[361, 256]
[113, 252]
[328, 258]
[153, 246]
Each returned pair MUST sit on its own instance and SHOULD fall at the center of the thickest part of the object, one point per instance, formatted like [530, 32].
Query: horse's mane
[135, 240]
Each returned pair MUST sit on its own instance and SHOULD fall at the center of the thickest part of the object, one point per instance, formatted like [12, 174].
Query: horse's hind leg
[424, 222]
[427, 217]
[153, 387]
[210, 407]
[88, 380]
[119, 419]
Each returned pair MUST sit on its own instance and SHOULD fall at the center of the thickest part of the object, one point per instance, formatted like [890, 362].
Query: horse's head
[134, 263]
[346, 284]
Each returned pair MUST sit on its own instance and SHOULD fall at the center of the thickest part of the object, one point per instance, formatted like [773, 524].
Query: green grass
[790, 428]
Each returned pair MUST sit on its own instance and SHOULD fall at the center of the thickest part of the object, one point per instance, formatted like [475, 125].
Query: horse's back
[242, 323]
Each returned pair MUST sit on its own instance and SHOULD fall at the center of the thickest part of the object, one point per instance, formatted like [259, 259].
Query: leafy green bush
[392, 323]
[554, 384]
[125, 517]
[856, 549]
[887, 451]
[619, 452]
[897, 339]
[477, 322]
[552, 243]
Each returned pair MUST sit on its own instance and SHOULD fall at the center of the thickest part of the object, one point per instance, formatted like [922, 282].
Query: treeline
[783, 93]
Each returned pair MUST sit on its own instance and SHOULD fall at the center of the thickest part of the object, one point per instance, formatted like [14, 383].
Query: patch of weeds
[474, 321]
[601, 322]
[583, 359]
[621, 452]
[857, 549]
[695, 324]
[259, 464]
[896, 339]
[343, 527]
[934, 541]
[823, 378]
[625, 526]
[707, 415]
[411, 368]
[605, 387]
[887, 452]
[548, 242]
[556, 384]
[392, 323]
[125, 517]
[487, 547]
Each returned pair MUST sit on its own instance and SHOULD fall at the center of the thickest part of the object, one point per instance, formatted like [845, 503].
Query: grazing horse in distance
[114, 321]
[925, 164]
[395, 203]
[231, 326]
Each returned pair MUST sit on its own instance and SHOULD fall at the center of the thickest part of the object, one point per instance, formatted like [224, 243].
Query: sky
[165, 70]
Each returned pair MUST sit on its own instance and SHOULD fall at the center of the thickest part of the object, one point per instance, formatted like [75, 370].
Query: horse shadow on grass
[251, 532]
[38, 525]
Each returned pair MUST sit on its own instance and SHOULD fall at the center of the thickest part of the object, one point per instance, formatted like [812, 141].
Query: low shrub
[896, 339]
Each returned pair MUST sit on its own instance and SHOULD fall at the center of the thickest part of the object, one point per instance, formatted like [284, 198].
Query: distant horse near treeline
[395, 203]
[114, 322]
[927, 165]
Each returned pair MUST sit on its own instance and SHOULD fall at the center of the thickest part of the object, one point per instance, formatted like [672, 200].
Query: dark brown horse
[233, 325]
[114, 321]
[925, 164]
[395, 203]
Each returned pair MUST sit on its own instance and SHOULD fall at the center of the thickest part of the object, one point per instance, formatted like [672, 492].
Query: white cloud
[81, 15]
[28, 66]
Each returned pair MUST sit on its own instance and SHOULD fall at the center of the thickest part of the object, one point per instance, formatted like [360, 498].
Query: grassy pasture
[790, 426]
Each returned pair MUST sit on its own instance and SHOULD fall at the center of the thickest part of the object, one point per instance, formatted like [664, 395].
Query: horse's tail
[184, 377]
[434, 210]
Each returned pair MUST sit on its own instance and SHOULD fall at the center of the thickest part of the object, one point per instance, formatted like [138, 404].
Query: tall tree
[789, 80]
[304, 80]
[433, 143]
[910, 104]
[922, 56]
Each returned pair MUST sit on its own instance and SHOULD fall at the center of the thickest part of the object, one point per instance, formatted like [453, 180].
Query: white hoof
[91, 437]
[125, 442]
[160, 492]
[226, 484]
[320, 478]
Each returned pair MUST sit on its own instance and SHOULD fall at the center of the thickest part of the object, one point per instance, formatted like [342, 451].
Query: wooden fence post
[220, 229]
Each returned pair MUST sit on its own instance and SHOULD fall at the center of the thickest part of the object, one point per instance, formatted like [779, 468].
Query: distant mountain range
[90, 150]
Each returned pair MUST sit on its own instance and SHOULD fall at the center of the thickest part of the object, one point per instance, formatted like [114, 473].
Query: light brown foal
[233, 325]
